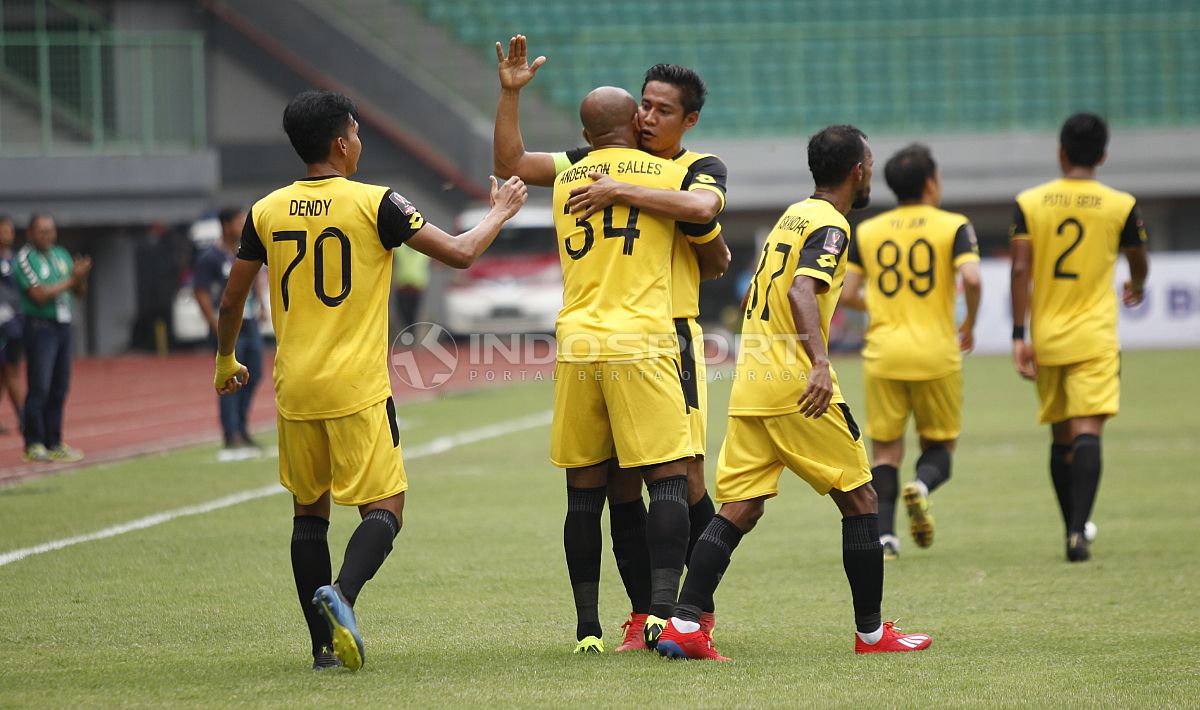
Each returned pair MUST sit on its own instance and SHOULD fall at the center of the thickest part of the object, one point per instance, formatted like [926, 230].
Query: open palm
[515, 69]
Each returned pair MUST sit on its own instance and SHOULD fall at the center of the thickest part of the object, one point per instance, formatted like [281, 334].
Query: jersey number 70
[301, 239]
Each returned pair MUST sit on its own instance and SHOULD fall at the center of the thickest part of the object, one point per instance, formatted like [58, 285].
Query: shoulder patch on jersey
[405, 206]
[834, 239]
[971, 236]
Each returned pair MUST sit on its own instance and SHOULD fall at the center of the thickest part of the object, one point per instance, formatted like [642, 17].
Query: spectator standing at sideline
[410, 277]
[11, 347]
[47, 277]
[209, 277]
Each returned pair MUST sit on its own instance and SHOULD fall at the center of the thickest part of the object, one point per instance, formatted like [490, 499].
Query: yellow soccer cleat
[590, 644]
[920, 520]
[652, 630]
[343, 627]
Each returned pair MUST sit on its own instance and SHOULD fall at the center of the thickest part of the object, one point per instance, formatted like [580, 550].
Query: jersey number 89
[920, 265]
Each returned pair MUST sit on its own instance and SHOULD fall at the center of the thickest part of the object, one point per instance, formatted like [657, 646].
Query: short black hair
[908, 170]
[226, 214]
[833, 152]
[1084, 137]
[5, 218]
[692, 91]
[313, 119]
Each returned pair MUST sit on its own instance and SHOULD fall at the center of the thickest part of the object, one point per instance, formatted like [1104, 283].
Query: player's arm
[802, 298]
[1133, 245]
[819, 257]
[854, 290]
[1022, 266]
[698, 206]
[508, 147]
[965, 254]
[462, 250]
[713, 257]
[701, 199]
[972, 284]
[232, 375]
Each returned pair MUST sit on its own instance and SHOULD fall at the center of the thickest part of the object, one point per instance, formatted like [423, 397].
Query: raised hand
[515, 69]
[510, 196]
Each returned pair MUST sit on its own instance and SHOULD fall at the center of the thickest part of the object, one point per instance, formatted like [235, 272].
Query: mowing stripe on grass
[440, 445]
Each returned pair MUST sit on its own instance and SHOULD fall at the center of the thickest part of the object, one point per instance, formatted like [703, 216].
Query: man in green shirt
[47, 277]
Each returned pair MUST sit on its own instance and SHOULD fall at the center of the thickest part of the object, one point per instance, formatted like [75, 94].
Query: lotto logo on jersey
[834, 239]
[405, 206]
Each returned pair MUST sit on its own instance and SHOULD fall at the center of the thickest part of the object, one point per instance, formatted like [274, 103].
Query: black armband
[1018, 332]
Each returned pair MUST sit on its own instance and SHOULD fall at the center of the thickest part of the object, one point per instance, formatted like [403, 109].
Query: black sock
[885, 478]
[709, 561]
[933, 468]
[1060, 475]
[628, 524]
[699, 516]
[862, 557]
[667, 533]
[311, 570]
[582, 540]
[1085, 479]
[369, 546]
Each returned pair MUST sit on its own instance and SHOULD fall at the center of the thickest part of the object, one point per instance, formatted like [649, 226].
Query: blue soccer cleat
[347, 644]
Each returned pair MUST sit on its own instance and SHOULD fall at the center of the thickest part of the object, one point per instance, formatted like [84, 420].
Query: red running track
[142, 403]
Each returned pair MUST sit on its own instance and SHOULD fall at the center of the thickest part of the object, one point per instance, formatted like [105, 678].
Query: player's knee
[744, 514]
[859, 501]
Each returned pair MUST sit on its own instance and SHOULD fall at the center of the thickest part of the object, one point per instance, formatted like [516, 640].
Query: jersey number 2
[1059, 271]
[301, 239]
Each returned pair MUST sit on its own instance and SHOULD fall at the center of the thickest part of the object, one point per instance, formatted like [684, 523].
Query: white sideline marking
[439, 445]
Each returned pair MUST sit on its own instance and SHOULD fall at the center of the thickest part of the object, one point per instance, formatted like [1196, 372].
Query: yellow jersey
[1076, 228]
[705, 172]
[772, 367]
[327, 244]
[909, 257]
[616, 264]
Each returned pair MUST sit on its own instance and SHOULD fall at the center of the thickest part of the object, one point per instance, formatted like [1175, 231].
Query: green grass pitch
[473, 608]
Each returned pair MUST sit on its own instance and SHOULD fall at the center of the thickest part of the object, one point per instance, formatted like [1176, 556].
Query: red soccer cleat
[697, 645]
[708, 622]
[634, 640]
[893, 641]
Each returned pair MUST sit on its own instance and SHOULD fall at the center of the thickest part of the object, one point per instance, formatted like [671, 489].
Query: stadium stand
[930, 65]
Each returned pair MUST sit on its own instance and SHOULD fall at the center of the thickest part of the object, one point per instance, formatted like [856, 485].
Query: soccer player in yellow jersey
[786, 408]
[1066, 235]
[901, 268]
[617, 389]
[672, 98]
[328, 242]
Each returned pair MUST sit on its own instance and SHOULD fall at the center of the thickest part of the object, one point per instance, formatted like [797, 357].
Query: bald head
[607, 114]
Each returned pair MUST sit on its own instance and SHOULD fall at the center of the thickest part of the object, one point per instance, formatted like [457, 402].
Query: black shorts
[12, 352]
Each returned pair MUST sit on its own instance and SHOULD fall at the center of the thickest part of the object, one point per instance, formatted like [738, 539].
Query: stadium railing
[98, 91]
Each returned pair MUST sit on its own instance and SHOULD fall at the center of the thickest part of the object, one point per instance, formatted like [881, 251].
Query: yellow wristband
[227, 366]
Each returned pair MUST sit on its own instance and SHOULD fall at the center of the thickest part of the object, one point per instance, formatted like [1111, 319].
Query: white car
[516, 286]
